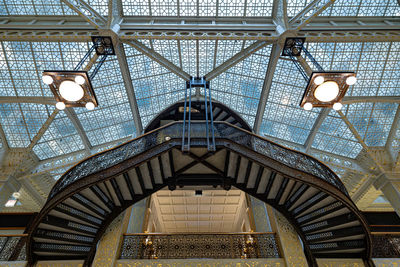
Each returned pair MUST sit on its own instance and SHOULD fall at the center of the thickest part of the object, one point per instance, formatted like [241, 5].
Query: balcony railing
[190, 246]
[12, 247]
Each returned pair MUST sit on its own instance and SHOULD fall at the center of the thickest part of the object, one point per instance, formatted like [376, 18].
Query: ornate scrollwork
[221, 246]
[223, 130]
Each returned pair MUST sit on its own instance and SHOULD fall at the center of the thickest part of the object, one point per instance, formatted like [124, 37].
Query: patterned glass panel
[60, 138]
[207, 8]
[155, 87]
[240, 87]
[35, 7]
[360, 8]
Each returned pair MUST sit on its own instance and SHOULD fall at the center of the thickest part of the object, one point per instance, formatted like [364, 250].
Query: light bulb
[327, 91]
[308, 106]
[337, 106]
[47, 79]
[89, 105]
[71, 91]
[60, 105]
[319, 80]
[351, 80]
[79, 79]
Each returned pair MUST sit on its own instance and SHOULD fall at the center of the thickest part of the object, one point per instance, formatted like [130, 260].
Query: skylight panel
[206, 56]
[189, 58]
[363, 8]
[35, 8]
[231, 8]
[376, 65]
[355, 8]
[100, 6]
[259, 8]
[135, 8]
[283, 117]
[240, 87]
[155, 87]
[60, 138]
[164, 8]
[372, 121]
[112, 119]
[335, 137]
[21, 122]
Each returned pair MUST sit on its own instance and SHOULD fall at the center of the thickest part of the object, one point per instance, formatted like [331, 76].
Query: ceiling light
[351, 80]
[319, 80]
[71, 91]
[13, 200]
[89, 105]
[327, 91]
[308, 106]
[47, 79]
[60, 105]
[337, 106]
[79, 79]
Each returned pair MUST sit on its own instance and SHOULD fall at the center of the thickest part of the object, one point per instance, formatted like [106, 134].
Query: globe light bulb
[351, 80]
[319, 80]
[327, 91]
[71, 91]
[337, 106]
[79, 79]
[47, 79]
[89, 105]
[60, 105]
[308, 106]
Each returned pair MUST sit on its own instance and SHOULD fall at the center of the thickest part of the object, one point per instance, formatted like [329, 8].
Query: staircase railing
[173, 133]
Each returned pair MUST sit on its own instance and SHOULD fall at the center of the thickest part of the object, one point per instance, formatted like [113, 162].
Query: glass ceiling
[209, 8]
[155, 87]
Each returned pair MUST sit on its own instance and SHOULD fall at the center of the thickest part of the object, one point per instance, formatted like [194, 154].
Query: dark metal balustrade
[13, 247]
[189, 246]
[386, 245]
[107, 159]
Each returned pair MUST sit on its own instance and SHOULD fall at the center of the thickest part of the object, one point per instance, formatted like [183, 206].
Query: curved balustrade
[92, 193]
[291, 158]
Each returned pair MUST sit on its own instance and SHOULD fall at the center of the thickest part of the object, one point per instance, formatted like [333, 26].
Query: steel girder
[320, 29]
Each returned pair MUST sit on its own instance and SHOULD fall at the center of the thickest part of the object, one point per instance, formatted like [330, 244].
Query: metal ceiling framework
[260, 31]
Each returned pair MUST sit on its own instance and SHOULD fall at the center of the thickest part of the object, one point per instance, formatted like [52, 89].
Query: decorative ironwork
[213, 246]
[12, 248]
[385, 246]
[223, 130]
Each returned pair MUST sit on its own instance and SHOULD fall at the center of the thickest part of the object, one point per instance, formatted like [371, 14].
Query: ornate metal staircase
[91, 194]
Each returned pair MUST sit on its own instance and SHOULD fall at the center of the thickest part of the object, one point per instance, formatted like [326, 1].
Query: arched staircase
[91, 194]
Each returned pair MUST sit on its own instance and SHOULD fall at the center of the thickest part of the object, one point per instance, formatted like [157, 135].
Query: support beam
[391, 136]
[3, 139]
[130, 91]
[311, 11]
[79, 128]
[317, 124]
[159, 59]
[28, 99]
[114, 13]
[391, 189]
[370, 99]
[320, 29]
[236, 59]
[42, 130]
[361, 141]
[279, 15]
[87, 12]
[273, 61]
